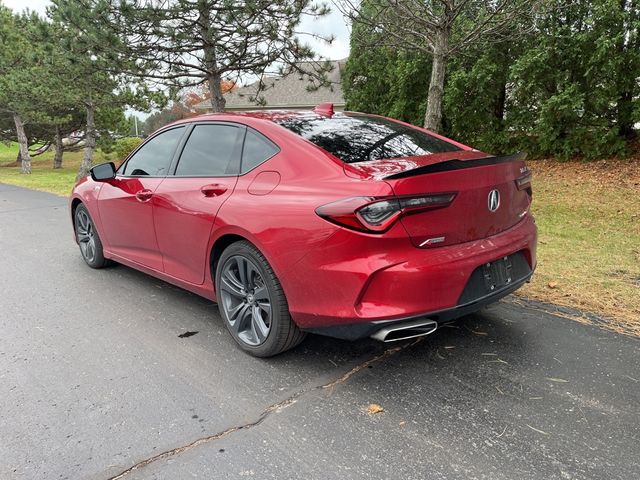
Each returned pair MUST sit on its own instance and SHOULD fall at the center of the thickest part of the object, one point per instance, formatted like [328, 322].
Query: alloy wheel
[85, 233]
[245, 300]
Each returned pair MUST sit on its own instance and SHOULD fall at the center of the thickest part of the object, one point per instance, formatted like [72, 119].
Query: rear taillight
[524, 182]
[378, 214]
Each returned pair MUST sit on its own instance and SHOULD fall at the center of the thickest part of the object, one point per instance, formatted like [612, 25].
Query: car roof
[268, 115]
[267, 118]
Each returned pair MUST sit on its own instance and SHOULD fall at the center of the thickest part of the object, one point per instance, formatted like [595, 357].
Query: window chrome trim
[189, 126]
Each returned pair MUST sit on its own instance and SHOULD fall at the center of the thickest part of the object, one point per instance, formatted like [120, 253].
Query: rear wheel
[252, 302]
[88, 238]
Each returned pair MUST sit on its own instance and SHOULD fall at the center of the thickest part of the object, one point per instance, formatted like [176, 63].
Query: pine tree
[23, 84]
[185, 43]
[568, 87]
[439, 29]
[94, 67]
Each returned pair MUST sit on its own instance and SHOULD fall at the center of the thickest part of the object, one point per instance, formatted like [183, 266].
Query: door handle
[213, 190]
[144, 195]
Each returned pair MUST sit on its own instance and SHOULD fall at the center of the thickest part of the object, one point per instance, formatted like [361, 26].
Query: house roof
[288, 91]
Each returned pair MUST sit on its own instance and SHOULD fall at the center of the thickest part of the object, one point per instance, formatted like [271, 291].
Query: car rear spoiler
[456, 164]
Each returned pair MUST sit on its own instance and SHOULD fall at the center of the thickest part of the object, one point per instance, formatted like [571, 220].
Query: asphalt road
[96, 383]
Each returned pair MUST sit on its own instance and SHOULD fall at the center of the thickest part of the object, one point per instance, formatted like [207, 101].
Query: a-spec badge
[431, 241]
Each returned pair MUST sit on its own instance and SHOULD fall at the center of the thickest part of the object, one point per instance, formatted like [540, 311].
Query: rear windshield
[360, 138]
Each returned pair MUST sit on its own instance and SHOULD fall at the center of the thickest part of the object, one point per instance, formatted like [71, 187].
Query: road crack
[216, 436]
[356, 369]
[275, 407]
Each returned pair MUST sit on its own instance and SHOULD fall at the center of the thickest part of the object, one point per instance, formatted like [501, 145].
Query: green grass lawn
[43, 176]
[8, 151]
[588, 217]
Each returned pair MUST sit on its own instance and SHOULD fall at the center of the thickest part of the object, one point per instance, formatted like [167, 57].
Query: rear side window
[211, 151]
[154, 157]
[360, 138]
[257, 149]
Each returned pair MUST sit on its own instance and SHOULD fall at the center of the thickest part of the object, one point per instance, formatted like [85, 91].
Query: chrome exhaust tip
[406, 330]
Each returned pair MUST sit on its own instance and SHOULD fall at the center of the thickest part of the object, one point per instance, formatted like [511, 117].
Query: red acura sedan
[343, 224]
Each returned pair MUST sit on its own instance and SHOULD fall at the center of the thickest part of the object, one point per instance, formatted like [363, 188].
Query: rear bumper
[356, 331]
[363, 280]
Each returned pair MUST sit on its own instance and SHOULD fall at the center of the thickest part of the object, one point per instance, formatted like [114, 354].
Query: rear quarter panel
[282, 223]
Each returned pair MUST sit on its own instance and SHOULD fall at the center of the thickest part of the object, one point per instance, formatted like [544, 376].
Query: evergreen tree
[184, 43]
[383, 80]
[438, 29]
[96, 69]
[575, 84]
[570, 87]
[23, 79]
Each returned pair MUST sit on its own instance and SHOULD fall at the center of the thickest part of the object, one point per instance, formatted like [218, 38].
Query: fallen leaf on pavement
[557, 380]
[536, 429]
[374, 408]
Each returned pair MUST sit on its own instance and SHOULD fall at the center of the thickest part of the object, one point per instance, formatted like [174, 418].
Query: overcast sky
[332, 24]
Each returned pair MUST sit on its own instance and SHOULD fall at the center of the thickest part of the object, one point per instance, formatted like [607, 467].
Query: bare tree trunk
[626, 79]
[89, 142]
[501, 101]
[25, 158]
[218, 101]
[214, 80]
[433, 115]
[57, 159]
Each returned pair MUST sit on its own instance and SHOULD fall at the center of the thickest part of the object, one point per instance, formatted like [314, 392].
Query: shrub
[124, 146]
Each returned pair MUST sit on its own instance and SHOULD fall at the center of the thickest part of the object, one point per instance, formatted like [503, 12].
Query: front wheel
[252, 303]
[88, 238]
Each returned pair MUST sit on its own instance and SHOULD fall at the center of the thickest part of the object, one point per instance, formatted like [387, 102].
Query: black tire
[243, 298]
[88, 238]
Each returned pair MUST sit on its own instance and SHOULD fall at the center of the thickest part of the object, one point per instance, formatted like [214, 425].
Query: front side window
[212, 150]
[360, 138]
[257, 149]
[154, 157]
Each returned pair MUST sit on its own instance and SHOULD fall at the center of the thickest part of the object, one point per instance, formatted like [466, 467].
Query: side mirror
[103, 172]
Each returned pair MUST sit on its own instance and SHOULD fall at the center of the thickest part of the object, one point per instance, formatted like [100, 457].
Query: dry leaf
[552, 285]
[536, 429]
[374, 408]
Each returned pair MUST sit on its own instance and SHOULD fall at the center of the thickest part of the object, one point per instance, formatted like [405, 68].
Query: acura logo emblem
[494, 200]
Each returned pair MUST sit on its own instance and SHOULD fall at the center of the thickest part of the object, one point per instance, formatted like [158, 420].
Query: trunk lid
[476, 212]
[385, 167]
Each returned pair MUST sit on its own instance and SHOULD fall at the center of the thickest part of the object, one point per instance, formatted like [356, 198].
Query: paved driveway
[96, 382]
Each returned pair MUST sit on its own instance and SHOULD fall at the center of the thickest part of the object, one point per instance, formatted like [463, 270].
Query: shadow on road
[466, 336]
